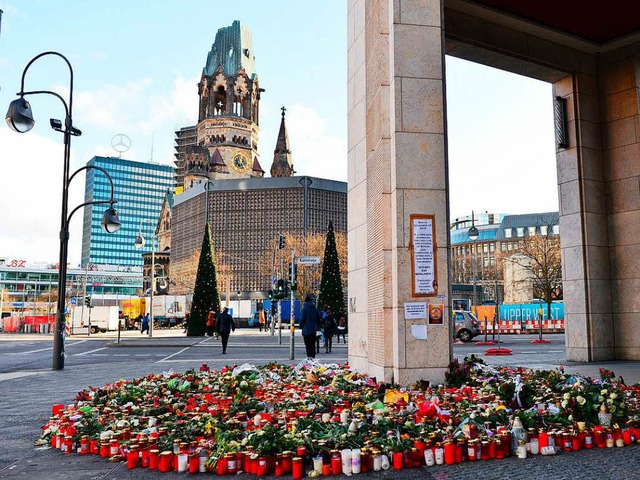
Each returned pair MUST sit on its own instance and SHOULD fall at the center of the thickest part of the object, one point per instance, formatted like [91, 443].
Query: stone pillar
[397, 167]
[599, 186]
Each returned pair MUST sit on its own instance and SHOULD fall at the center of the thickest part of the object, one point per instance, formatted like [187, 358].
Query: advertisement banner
[529, 311]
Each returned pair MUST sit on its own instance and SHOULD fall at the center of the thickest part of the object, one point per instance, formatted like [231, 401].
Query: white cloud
[31, 198]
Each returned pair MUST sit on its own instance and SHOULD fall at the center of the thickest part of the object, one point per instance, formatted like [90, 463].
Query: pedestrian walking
[186, 323]
[329, 330]
[145, 324]
[309, 322]
[211, 323]
[261, 320]
[225, 326]
[341, 330]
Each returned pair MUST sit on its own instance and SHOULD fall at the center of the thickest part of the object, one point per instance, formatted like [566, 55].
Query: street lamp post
[473, 236]
[20, 119]
[139, 243]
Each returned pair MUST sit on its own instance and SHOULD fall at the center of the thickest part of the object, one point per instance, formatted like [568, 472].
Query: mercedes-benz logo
[121, 143]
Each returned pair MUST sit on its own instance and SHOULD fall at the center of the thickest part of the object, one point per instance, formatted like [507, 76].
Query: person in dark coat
[329, 330]
[309, 322]
[145, 324]
[225, 326]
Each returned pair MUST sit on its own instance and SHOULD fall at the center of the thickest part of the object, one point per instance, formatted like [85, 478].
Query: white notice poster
[415, 310]
[423, 249]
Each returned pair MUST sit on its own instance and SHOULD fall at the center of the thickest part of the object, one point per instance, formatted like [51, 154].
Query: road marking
[555, 351]
[173, 355]
[142, 355]
[88, 352]
[527, 352]
[12, 375]
[120, 355]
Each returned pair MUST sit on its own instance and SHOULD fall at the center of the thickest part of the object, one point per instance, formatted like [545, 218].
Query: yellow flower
[581, 400]
[567, 396]
[612, 409]
[613, 396]
[564, 404]
[600, 399]
[604, 391]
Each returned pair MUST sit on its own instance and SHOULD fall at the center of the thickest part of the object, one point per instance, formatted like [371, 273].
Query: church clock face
[240, 164]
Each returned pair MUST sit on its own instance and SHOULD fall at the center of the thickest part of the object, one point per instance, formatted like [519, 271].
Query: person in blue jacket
[309, 322]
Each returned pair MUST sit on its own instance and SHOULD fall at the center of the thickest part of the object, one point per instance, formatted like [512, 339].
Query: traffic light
[281, 242]
[87, 301]
[293, 271]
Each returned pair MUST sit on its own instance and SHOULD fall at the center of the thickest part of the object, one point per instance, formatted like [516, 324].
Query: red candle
[222, 466]
[286, 462]
[67, 444]
[114, 448]
[297, 467]
[144, 458]
[336, 463]
[397, 460]
[449, 453]
[471, 451]
[57, 408]
[326, 469]
[575, 442]
[94, 447]
[132, 458]
[262, 466]
[484, 450]
[194, 462]
[626, 436]
[278, 468]
[164, 465]
[154, 459]
[588, 439]
[600, 437]
[492, 449]
[543, 439]
[421, 446]
[84, 445]
[301, 451]
[240, 461]
[460, 447]
[499, 449]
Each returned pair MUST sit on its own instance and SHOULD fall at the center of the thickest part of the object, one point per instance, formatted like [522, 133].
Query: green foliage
[331, 295]
[205, 292]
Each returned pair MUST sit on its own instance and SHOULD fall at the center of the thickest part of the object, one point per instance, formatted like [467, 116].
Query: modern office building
[30, 288]
[140, 189]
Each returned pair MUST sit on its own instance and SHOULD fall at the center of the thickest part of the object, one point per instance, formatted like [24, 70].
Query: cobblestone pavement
[28, 388]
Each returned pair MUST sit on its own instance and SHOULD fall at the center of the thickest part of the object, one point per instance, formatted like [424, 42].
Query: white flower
[613, 396]
[567, 396]
[581, 400]
[600, 399]
[564, 404]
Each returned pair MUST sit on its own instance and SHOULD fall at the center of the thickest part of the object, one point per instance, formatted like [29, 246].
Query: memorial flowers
[261, 418]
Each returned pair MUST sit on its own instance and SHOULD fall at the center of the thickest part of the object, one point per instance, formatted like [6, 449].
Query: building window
[509, 246]
[543, 229]
[485, 248]
[492, 247]
[507, 233]
[520, 231]
[503, 247]
[556, 229]
[532, 231]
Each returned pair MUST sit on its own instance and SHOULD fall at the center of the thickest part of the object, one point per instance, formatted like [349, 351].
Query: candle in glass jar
[164, 465]
[499, 449]
[377, 460]
[344, 417]
[522, 449]
[194, 462]
[317, 464]
[286, 462]
[355, 460]
[535, 446]
[132, 458]
[439, 454]
[232, 464]
[183, 462]
[471, 450]
[154, 459]
[385, 462]
[398, 460]
[336, 462]
[449, 453]
[429, 459]
[346, 461]
[114, 448]
[296, 464]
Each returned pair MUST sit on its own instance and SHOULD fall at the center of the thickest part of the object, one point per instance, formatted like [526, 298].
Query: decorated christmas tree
[205, 292]
[331, 295]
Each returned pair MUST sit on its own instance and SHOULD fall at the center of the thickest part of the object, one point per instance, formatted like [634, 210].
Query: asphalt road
[28, 388]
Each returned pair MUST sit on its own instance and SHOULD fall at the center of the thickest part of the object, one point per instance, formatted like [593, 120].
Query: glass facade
[139, 189]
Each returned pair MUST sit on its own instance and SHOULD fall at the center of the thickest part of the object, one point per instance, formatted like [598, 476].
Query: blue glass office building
[139, 189]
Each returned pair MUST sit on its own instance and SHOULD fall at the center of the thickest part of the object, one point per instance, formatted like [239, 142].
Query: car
[466, 325]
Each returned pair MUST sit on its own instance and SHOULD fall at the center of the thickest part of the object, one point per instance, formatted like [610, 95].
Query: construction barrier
[518, 327]
[28, 324]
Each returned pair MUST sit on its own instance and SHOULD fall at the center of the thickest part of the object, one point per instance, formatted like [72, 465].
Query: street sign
[308, 260]
[73, 300]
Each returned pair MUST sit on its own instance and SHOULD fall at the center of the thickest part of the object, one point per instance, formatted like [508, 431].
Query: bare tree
[544, 265]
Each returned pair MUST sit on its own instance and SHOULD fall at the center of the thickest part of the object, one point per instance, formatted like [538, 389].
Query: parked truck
[99, 319]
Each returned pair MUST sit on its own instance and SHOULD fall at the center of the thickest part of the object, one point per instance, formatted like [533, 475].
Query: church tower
[226, 136]
[282, 165]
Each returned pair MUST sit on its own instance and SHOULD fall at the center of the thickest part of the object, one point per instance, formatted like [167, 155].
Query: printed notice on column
[423, 256]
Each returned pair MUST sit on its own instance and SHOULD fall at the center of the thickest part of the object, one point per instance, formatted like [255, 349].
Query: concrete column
[397, 167]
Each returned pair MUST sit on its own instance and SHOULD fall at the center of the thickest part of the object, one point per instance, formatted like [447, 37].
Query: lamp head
[139, 242]
[19, 116]
[473, 233]
[110, 220]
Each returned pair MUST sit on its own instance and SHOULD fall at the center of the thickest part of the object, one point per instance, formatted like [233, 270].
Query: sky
[136, 66]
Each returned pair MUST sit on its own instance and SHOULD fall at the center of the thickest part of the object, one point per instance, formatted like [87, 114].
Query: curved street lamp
[473, 236]
[20, 119]
[139, 242]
